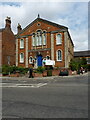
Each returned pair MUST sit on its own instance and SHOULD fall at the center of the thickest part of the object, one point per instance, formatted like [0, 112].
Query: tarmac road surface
[52, 97]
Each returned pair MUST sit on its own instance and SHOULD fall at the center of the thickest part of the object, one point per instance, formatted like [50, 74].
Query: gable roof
[45, 21]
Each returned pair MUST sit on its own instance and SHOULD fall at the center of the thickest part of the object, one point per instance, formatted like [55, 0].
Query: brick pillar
[52, 47]
[26, 52]
[66, 49]
[16, 52]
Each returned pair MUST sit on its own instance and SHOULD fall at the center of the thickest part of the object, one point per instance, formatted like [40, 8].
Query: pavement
[50, 77]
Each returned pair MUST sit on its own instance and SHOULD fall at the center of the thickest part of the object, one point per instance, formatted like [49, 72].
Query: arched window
[39, 37]
[33, 39]
[21, 57]
[40, 40]
[47, 57]
[30, 59]
[59, 55]
[58, 39]
[22, 43]
[44, 37]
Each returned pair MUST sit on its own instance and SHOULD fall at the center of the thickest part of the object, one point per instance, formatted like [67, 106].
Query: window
[37, 40]
[48, 57]
[8, 60]
[21, 43]
[21, 57]
[33, 40]
[38, 24]
[40, 40]
[44, 38]
[30, 59]
[58, 39]
[39, 37]
[59, 55]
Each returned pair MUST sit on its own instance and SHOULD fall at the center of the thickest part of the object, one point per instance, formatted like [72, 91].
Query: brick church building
[7, 44]
[43, 40]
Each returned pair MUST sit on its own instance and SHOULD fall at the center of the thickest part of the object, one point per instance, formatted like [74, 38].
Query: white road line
[41, 84]
[7, 85]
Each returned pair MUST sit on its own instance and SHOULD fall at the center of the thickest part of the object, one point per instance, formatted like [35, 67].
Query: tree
[77, 63]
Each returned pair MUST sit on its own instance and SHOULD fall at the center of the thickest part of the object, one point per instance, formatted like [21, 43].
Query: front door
[39, 60]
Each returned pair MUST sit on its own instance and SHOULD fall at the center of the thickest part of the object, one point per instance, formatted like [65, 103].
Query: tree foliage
[77, 63]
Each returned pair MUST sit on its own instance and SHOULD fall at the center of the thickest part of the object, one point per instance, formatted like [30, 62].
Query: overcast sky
[73, 15]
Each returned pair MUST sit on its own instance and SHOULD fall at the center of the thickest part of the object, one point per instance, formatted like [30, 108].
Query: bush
[40, 69]
[13, 69]
[88, 67]
[77, 63]
[22, 70]
[5, 69]
[49, 72]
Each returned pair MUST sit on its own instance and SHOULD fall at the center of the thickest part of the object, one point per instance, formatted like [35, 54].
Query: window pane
[33, 40]
[40, 40]
[59, 56]
[48, 57]
[37, 40]
[21, 43]
[22, 57]
[44, 39]
[30, 60]
[58, 39]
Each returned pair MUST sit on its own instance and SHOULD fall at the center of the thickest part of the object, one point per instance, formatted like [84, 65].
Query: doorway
[39, 60]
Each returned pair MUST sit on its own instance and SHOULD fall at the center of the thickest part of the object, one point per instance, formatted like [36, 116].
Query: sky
[73, 15]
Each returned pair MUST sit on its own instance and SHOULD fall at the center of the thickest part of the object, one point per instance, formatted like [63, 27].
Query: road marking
[22, 85]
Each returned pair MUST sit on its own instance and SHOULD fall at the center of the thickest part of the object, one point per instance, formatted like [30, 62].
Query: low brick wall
[55, 72]
[37, 74]
[44, 73]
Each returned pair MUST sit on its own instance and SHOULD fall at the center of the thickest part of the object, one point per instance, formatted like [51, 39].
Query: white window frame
[58, 40]
[44, 38]
[37, 40]
[21, 60]
[40, 40]
[30, 62]
[57, 55]
[33, 40]
[47, 56]
[38, 37]
[21, 46]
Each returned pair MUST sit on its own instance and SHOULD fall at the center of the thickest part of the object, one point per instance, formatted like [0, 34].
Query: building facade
[7, 44]
[83, 54]
[41, 41]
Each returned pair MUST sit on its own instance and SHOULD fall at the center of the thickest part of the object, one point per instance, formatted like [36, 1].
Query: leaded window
[59, 55]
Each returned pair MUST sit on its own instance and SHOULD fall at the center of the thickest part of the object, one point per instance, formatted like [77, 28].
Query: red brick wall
[8, 46]
[48, 28]
[59, 47]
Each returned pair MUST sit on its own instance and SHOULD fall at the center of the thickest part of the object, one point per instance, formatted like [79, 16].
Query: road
[52, 97]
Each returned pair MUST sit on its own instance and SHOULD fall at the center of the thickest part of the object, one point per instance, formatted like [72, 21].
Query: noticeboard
[49, 62]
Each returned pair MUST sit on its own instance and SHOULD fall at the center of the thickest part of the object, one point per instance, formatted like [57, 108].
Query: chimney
[8, 22]
[19, 28]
